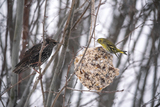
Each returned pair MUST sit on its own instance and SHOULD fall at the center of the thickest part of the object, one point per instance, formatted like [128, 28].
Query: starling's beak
[58, 43]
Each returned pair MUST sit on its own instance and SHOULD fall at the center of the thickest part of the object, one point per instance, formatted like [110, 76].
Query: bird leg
[40, 75]
[35, 70]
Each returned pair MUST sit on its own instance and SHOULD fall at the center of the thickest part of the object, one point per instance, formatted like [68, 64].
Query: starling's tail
[20, 69]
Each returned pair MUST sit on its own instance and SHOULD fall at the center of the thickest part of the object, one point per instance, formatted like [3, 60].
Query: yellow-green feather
[109, 46]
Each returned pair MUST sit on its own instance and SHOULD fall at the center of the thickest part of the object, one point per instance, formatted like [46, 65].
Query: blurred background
[136, 22]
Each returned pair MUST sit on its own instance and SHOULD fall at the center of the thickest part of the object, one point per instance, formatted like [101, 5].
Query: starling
[31, 57]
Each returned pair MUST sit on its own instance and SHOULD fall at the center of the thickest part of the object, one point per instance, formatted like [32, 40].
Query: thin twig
[17, 83]
[90, 101]
[66, 81]
[153, 99]
[87, 45]
[92, 17]
[81, 7]
[80, 59]
[73, 58]
[95, 90]
[42, 47]
[69, 98]
[2, 103]
[130, 33]
[66, 32]
[80, 17]
[36, 82]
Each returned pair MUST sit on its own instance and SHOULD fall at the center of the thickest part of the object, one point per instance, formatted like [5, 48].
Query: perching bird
[110, 47]
[31, 57]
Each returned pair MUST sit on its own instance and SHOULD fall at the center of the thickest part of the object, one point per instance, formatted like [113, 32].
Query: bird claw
[39, 64]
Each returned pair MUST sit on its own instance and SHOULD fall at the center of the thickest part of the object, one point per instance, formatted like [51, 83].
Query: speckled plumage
[31, 57]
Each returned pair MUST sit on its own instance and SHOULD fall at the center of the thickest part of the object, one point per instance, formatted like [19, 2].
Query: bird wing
[30, 53]
[34, 50]
[109, 48]
[112, 48]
